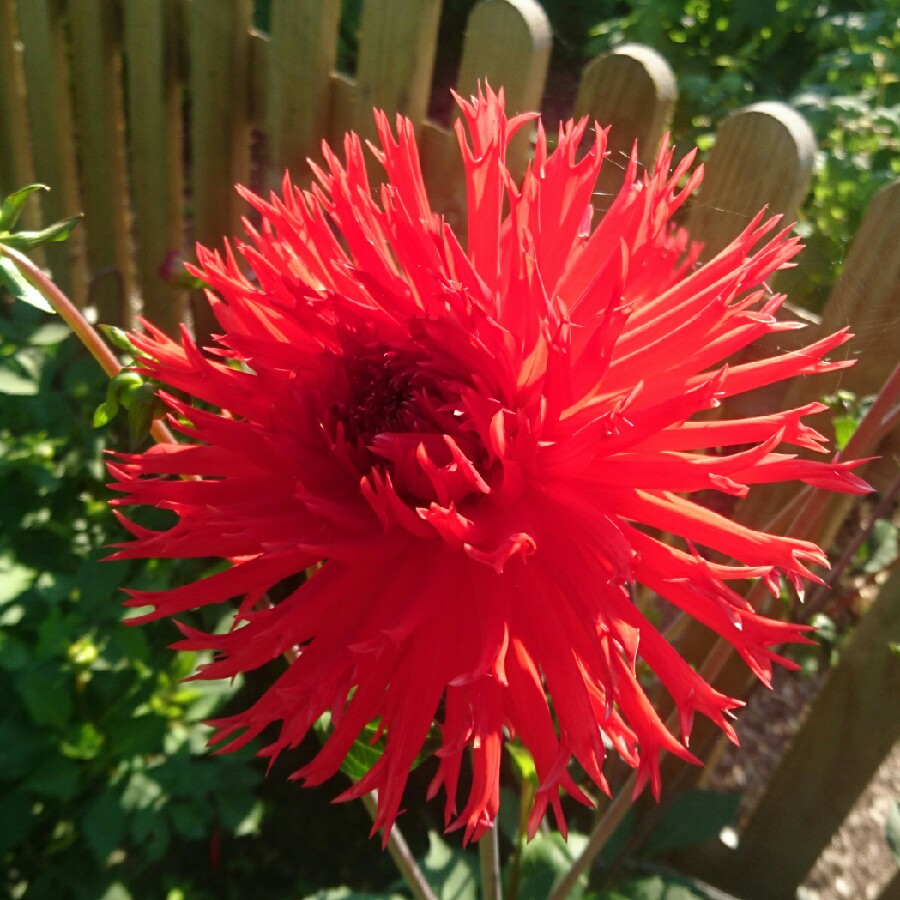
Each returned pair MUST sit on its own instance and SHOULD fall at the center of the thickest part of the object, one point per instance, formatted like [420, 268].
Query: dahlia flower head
[472, 452]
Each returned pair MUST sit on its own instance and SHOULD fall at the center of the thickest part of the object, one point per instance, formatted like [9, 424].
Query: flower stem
[616, 811]
[83, 329]
[396, 843]
[402, 856]
[526, 799]
[489, 858]
[602, 832]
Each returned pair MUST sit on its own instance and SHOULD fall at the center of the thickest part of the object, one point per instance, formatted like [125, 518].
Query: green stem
[402, 856]
[489, 858]
[526, 799]
[80, 326]
[396, 843]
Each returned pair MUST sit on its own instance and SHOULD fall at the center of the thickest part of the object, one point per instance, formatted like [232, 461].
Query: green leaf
[844, 429]
[16, 819]
[28, 240]
[658, 887]
[544, 862]
[83, 742]
[362, 754]
[523, 762]
[19, 746]
[251, 822]
[47, 695]
[883, 547]
[151, 830]
[693, 818]
[17, 385]
[49, 334]
[451, 872]
[12, 205]
[14, 579]
[345, 893]
[188, 820]
[237, 807]
[103, 825]
[116, 891]
[55, 777]
[141, 792]
[14, 281]
[892, 830]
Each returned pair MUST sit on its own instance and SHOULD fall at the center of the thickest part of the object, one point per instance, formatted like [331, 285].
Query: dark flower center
[381, 396]
[392, 406]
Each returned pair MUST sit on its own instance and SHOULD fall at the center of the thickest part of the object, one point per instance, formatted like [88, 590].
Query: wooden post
[507, 44]
[50, 120]
[96, 77]
[867, 297]
[850, 729]
[155, 82]
[220, 125]
[302, 51]
[15, 152]
[763, 156]
[632, 89]
[892, 888]
[397, 41]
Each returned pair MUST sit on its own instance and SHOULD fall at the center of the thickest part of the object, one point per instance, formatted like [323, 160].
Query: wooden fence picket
[863, 283]
[867, 297]
[763, 156]
[633, 88]
[155, 82]
[97, 83]
[16, 168]
[302, 51]
[50, 119]
[844, 739]
[219, 50]
[507, 43]
[892, 888]
[397, 42]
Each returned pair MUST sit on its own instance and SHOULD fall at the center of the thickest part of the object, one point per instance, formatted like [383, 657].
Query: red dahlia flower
[471, 453]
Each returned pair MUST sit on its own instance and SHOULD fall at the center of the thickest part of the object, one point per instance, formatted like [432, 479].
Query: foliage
[11, 280]
[99, 736]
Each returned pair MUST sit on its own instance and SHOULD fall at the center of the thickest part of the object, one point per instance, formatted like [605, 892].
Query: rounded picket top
[507, 44]
[633, 89]
[763, 156]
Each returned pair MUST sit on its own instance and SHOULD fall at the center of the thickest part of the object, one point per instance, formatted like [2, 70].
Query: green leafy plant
[99, 735]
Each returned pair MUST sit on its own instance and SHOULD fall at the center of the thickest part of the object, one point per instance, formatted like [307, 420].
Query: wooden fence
[143, 114]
